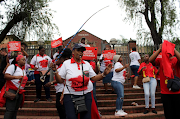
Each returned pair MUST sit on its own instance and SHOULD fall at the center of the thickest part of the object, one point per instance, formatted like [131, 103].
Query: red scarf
[78, 64]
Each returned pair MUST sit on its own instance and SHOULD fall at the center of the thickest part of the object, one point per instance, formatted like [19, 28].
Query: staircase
[106, 104]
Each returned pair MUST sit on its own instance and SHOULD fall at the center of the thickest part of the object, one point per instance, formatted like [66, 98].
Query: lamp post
[40, 42]
[113, 42]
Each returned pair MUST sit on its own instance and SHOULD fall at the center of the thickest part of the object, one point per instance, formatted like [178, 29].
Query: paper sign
[14, 46]
[90, 53]
[56, 43]
[109, 54]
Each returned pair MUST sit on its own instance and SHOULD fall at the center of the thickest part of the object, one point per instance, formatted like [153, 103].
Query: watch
[52, 83]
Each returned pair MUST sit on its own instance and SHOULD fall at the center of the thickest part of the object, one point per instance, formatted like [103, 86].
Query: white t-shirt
[55, 54]
[18, 72]
[73, 75]
[41, 62]
[119, 76]
[134, 56]
[104, 63]
[59, 86]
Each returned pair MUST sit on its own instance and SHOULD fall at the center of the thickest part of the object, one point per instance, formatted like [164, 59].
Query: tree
[160, 16]
[25, 17]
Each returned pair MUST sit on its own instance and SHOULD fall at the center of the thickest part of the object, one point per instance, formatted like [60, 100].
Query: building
[90, 39]
[7, 39]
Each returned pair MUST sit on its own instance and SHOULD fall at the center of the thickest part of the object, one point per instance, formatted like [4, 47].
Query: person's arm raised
[101, 76]
[154, 55]
[177, 54]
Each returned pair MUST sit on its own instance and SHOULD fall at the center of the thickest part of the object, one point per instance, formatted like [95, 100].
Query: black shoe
[49, 99]
[146, 111]
[36, 100]
[154, 111]
[113, 92]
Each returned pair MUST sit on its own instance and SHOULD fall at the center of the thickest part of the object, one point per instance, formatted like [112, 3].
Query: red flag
[90, 53]
[109, 54]
[56, 43]
[14, 46]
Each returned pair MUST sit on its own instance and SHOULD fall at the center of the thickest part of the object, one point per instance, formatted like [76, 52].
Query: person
[73, 70]
[167, 63]
[3, 66]
[40, 64]
[14, 75]
[148, 70]
[83, 41]
[118, 79]
[134, 65]
[108, 78]
[57, 53]
[60, 86]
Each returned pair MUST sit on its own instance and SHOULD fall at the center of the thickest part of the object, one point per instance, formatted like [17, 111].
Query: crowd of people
[75, 79]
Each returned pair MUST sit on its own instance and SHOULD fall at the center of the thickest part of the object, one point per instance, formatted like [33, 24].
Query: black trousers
[12, 106]
[60, 108]
[70, 110]
[171, 104]
[39, 84]
[2, 84]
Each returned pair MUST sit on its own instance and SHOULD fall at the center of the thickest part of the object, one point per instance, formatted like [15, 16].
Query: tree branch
[1, 1]
[17, 18]
[162, 18]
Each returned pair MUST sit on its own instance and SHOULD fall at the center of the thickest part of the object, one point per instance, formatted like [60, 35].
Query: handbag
[174, 84]
[11, 95]
[79, 103]
[146, 79]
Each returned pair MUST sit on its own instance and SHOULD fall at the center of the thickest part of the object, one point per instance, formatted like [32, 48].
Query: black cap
[79, 45]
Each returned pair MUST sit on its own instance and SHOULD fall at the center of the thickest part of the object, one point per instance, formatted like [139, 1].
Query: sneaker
[120, 113]
[154, 111]
[136, 87]
[37, 100]
[49, 99]
[147, 111]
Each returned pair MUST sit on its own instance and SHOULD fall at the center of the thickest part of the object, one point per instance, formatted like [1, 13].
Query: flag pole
[72, 38]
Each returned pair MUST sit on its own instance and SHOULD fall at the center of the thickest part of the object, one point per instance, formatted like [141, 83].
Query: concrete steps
[106, 104]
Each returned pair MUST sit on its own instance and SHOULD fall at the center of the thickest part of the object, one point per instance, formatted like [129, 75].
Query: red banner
[14, 46]
[56, 43]
[90, 53]
[109, 54]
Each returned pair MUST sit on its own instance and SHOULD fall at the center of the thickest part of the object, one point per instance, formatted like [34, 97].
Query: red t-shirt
[163, 79]
[150, 70]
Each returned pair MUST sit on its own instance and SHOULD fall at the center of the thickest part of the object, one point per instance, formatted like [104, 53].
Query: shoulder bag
[174, 84]
[146, 79]
[9, 94]
[79, 103]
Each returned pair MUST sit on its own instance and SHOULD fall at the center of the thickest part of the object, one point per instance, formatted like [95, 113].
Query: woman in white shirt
[14, 74]
[40, 64]
[119, 75]
[75, 87]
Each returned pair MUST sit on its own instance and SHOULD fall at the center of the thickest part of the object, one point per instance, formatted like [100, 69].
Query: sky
[70, 15]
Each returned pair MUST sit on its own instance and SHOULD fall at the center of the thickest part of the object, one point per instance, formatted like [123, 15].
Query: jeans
[12, 106]
[39, 84]
[70, 109]
[119, 89]
[150, 87]
[134, 69]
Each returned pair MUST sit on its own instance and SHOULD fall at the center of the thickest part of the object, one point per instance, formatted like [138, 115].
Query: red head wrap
[19, 57]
